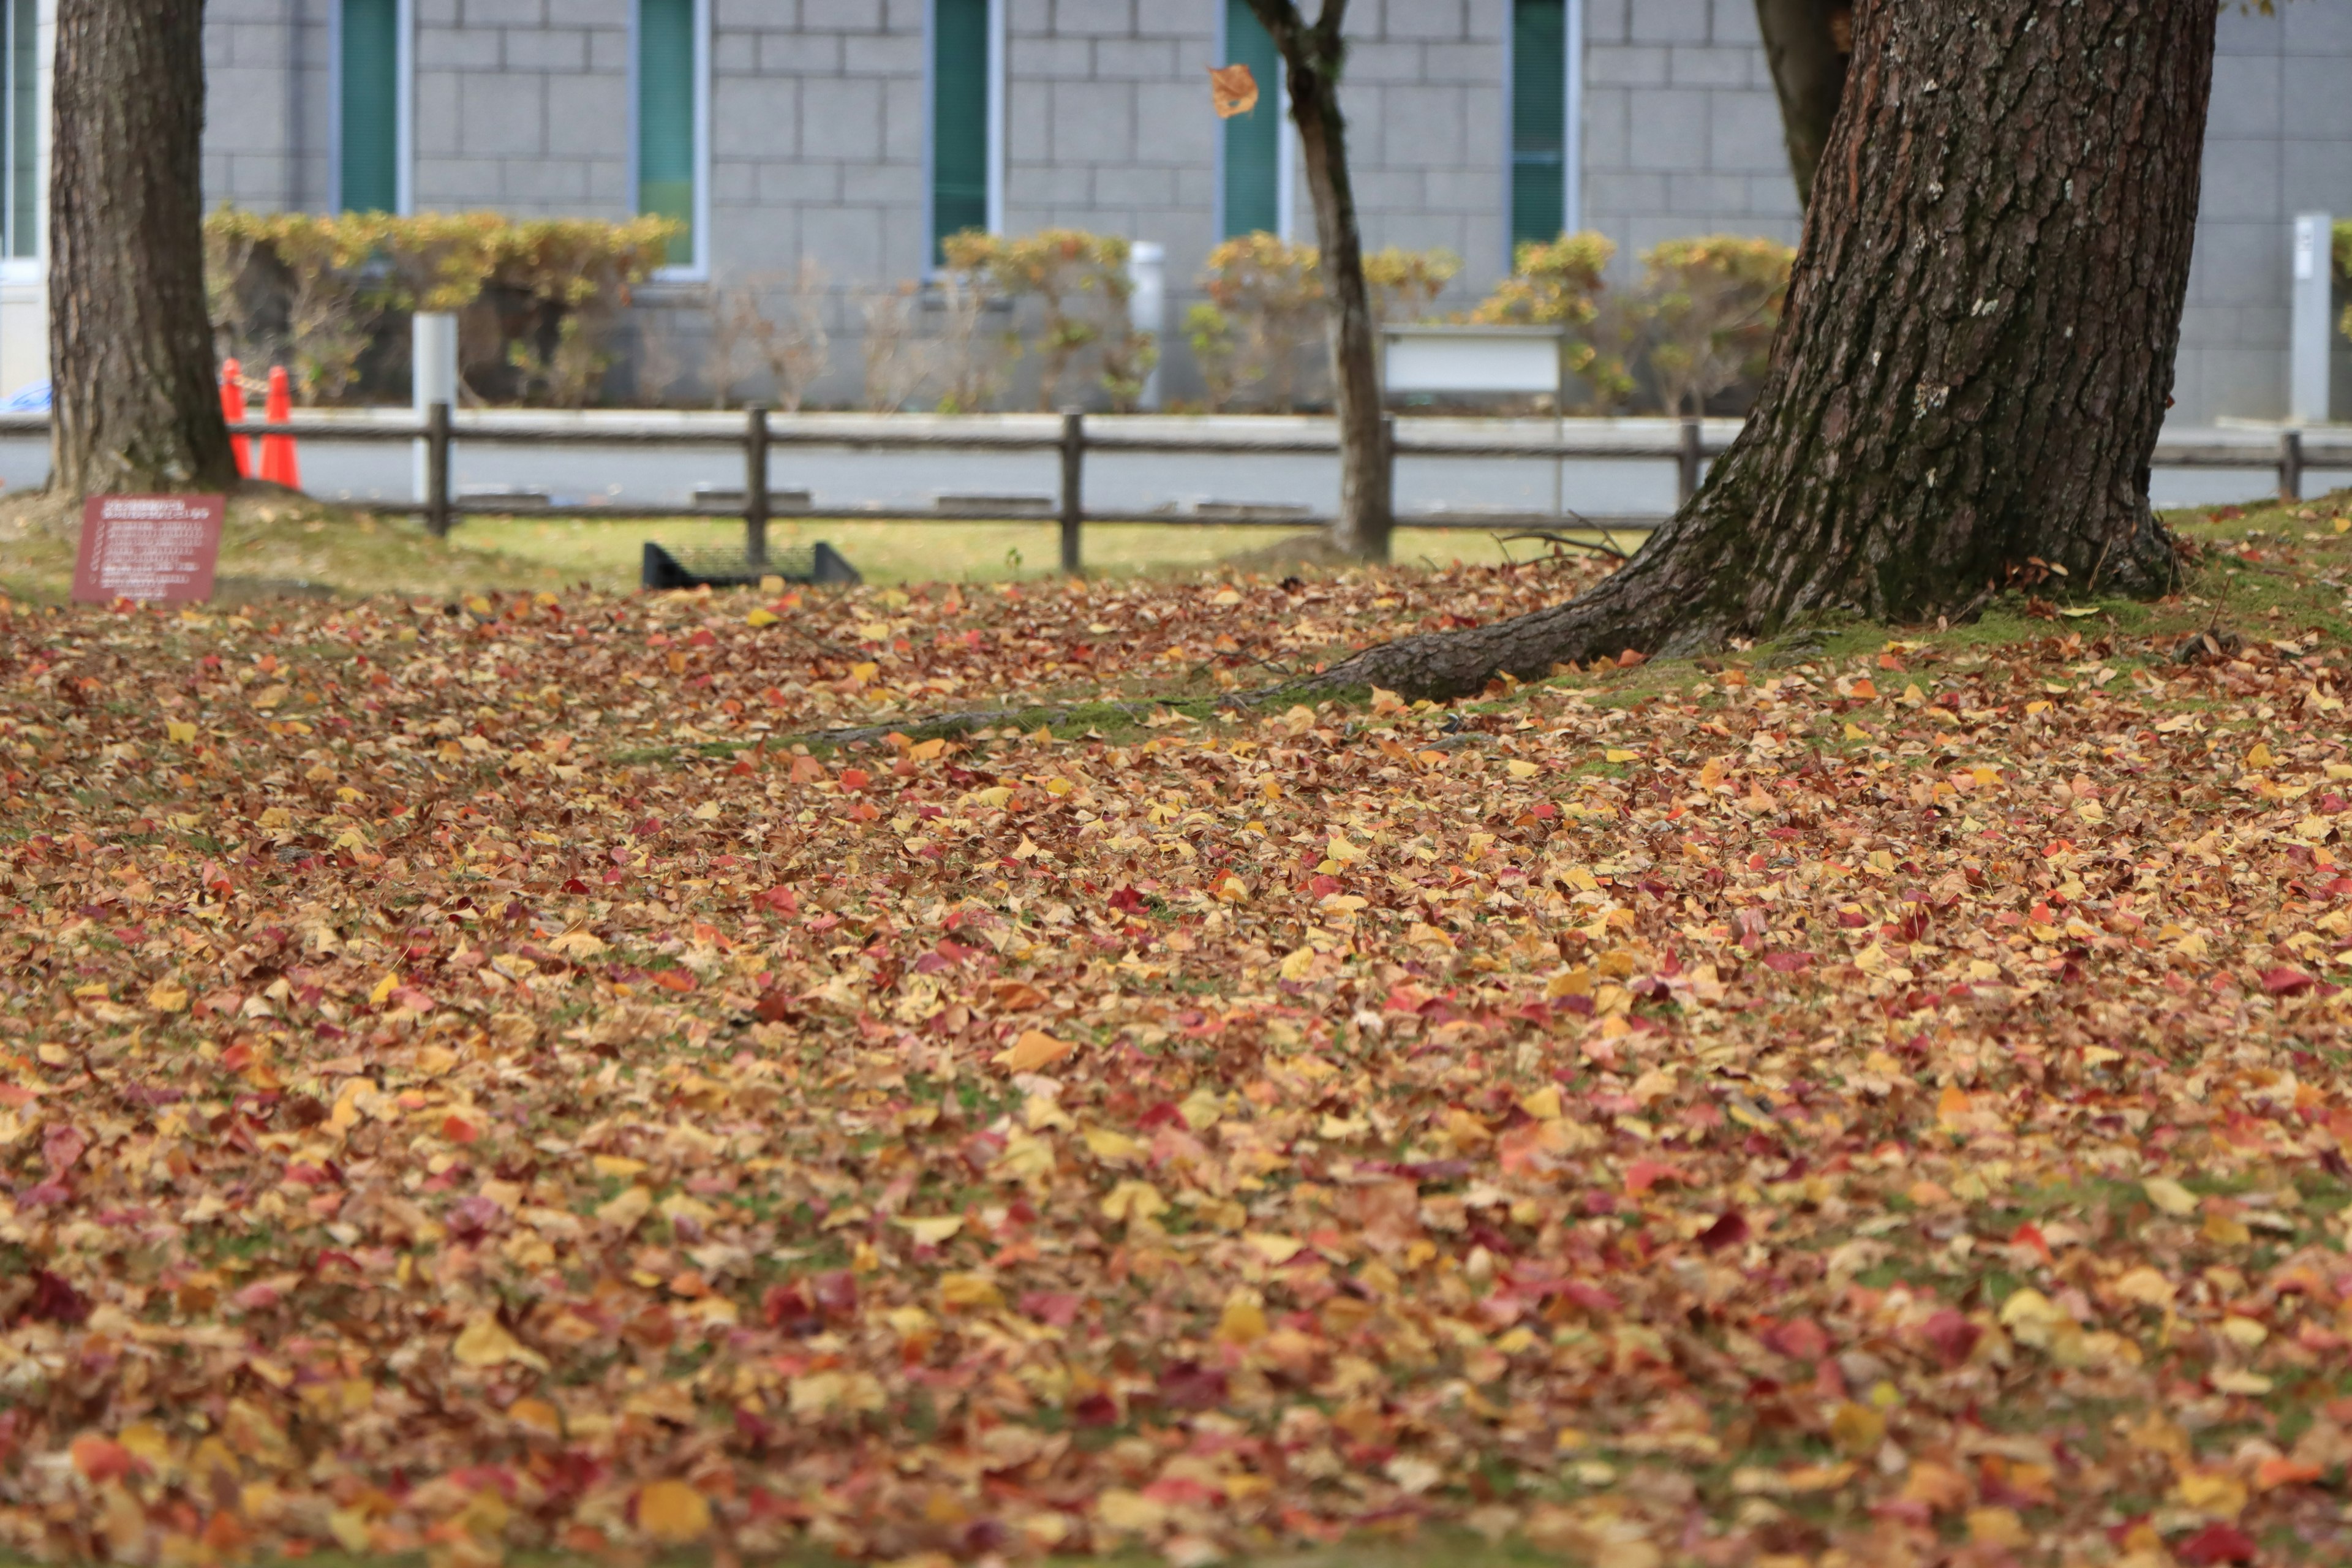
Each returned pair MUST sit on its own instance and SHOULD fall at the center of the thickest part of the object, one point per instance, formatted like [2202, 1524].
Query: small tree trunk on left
[131, 341]
[1312, 57]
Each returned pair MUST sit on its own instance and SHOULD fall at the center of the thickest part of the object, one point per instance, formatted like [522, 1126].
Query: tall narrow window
[1538, 119]
[20, 211]
[371, 71]
[961, 121]
[669, 121]
[1253, 178]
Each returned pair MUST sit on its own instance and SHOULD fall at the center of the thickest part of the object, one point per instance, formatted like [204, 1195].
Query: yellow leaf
[1036, 1048]
[762, 618]
[1543, 1104]
[970, 1292]
[1857, 1430]
[485, 1341]
[1243, 1322]
[1996, 1527]
[1619, 754]
[673, 1512]
[1106, 1145]
[2261, 757]
[2146, 1286]
[2169, 1195]
[1133, 1201]
[707, 812]
[1275, 1250]
[167, 997]
[384, 988]
[349, 1526]
[1952, 1106]
[1123, 1509]
[617, 1167]
[931, 1230]
[1342, 851]
[1523, 770]
[180, 731]
[2217, 1494]
[1424, 934]
[625, 1211]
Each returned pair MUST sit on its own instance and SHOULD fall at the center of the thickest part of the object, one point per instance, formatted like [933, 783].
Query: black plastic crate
[720, 567]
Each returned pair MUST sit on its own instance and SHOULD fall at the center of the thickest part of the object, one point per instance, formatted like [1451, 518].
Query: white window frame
[996, 123]
[31, 270]
[404, 100]
[699, 269]
[1286, 145]
[1571, 149]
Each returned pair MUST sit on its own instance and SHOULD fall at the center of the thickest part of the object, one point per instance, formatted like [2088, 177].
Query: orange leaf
[1036, 1048]
[102, 1458]
[1233, 90]
[673, 1512]
[2283, 1472]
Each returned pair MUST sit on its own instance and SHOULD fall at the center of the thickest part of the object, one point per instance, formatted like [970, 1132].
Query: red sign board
[158, 549]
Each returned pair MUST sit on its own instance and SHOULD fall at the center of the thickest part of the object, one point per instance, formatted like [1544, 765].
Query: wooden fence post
[755, 486]
[1074, 509]
[437, 470]
[1686, 462]
[2290, 465]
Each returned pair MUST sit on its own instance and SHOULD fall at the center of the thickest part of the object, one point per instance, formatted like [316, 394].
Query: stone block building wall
[1682, 129]
[2278, 142]
[818, 123]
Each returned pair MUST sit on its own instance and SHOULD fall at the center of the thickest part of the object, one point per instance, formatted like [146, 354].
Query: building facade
[852, 133]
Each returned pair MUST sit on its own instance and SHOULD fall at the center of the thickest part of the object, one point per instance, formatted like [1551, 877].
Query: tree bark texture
[1313, 56]
[1802, 43]
[131, 342]
[1968, 384]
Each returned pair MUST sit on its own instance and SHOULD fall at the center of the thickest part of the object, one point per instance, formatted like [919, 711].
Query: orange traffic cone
[278, 462]
[232, 388]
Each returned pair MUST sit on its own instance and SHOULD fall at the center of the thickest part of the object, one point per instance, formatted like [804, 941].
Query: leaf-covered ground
[470, 1082]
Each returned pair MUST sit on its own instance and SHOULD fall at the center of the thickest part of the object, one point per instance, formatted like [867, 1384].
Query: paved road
[841, 482]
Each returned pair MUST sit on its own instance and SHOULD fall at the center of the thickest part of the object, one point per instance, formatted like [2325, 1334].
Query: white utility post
[433, 375]
[1147, 307]
[2312, 320]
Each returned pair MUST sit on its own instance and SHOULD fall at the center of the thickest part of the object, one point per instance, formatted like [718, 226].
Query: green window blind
[1253, 141]
[666, 78]
[371, 106]
[1538, 119]
[22, 125]
[959, 120]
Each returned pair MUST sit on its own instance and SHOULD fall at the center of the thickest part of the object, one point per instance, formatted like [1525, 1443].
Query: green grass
[607, 552]
[267, 546]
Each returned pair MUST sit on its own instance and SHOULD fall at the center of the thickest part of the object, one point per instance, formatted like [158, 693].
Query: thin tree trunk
[1312, 58]
[131, 344]
[1969, 383]
[1801, 46]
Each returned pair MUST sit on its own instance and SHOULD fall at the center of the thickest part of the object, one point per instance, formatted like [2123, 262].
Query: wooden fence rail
[1686, 445]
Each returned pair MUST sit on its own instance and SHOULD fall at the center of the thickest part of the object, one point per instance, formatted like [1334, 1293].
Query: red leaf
[1787, 963]
[1729, 1230]
[2217, 1542]
[2285, 981]
[1953, 1335]
[1643, 1174]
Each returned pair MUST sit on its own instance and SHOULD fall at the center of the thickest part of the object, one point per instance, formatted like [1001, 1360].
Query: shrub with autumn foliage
[1254, 338]
[1700, 326]
[1081, 286]
[330, 295]
[1560, 283]
[1709, 308]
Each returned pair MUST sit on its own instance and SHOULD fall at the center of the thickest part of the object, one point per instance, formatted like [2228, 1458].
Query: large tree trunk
[1805, 43]
[131, 345]
[1312, 57]
[1969, 383]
